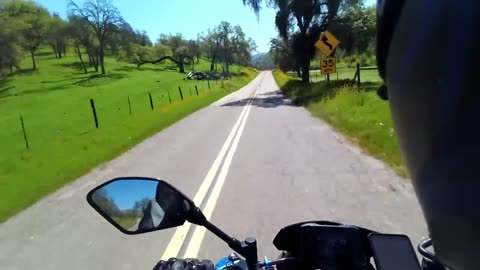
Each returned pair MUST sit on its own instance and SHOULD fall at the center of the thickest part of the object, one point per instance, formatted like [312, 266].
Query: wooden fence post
[169, 98]
[94, 111]
[358, 73]
[151, 100]
[181, 94]
[129, 106]
[196, 89]
[24, 133]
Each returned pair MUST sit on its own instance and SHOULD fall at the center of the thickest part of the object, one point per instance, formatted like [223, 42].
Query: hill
[63, 142]
[263, 61]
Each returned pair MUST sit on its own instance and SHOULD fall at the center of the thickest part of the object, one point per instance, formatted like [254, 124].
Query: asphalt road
[252, 161]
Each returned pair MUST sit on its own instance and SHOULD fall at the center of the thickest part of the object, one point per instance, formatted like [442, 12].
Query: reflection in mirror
[141, 205]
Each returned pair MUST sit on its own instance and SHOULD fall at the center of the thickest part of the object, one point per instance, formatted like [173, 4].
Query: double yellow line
[228, 149]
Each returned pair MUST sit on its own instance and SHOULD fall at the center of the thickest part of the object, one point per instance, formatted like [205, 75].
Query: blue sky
[188, 17]
[126, 193]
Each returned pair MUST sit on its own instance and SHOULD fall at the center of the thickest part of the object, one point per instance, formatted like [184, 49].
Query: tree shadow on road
[271, 99]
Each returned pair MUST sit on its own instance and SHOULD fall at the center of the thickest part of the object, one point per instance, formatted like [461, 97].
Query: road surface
[252, 161]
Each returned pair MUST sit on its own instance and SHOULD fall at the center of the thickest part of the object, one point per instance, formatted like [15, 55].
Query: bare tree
[103, 17]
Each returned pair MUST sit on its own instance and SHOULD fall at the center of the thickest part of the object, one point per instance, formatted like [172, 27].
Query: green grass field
[126, 222]
[361, 115]
[63, 140]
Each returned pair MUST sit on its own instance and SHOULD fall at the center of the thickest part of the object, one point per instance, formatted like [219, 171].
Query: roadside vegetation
[358, 113]
[50, 69]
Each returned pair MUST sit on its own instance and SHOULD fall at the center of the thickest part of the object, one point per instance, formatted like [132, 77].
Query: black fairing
[297, 241]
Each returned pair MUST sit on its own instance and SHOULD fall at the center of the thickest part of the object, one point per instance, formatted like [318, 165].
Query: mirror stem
[197, 217]
[233, 243]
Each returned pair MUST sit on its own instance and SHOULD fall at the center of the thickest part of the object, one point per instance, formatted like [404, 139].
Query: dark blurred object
[187, 264]
[201, 76]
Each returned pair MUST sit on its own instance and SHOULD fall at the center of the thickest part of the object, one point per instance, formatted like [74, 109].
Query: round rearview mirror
[137, 205]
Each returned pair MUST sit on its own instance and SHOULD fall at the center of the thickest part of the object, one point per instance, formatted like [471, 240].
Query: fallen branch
[142, 62]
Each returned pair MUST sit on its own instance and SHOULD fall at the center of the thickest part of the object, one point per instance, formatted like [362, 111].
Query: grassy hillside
[63, 140]
[359, 114]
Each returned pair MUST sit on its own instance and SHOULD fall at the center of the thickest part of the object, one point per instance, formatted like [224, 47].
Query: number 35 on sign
[328, 65]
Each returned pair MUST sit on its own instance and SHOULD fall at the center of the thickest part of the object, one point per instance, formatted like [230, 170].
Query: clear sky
[126, 193]
[188, 17]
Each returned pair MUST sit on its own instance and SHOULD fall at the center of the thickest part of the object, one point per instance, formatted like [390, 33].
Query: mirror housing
[126, 201]
[136, 205]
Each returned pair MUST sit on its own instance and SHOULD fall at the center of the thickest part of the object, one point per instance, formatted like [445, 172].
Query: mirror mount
[197, 217]
[247, 248]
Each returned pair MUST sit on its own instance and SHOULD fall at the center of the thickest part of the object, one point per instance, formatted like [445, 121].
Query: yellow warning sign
[327, 43]
[328, 65]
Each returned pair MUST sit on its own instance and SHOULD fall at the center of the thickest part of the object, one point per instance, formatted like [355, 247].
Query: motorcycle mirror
[136, 205]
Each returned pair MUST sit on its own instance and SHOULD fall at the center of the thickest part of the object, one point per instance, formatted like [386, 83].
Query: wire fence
[354, 74]
[66, 121]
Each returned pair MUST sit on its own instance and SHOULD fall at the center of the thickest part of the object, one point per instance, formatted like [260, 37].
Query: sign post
[327, 45]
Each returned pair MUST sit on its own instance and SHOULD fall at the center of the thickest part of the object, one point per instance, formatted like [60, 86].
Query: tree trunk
[59, 50]
[90, 57]
[299, 73]
[306, 69]
[95, 62]
[227, 68]
[32, 53]
[212, 65]
[54, 50]
[102, 58]
[79, 53]
[181, 65]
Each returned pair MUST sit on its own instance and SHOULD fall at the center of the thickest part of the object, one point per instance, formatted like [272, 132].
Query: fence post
[337, 75]
[24, 133]
[169, 98]
[151, 100]
[94, 111]
[358, 72]
[208, 84]
[129, 106]
[196, 89]
[181, 94]
[328, 78]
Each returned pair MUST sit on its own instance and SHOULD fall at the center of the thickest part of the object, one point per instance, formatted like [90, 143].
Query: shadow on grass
[26, 71]
[125, 68]
[267, 100]
[90, 81]
[370, 86]
[44, 54]
[5, 91]
[75, 65]
[99, 79]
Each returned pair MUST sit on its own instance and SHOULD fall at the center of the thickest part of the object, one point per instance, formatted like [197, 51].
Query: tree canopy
[96, 29]
[300, 22]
